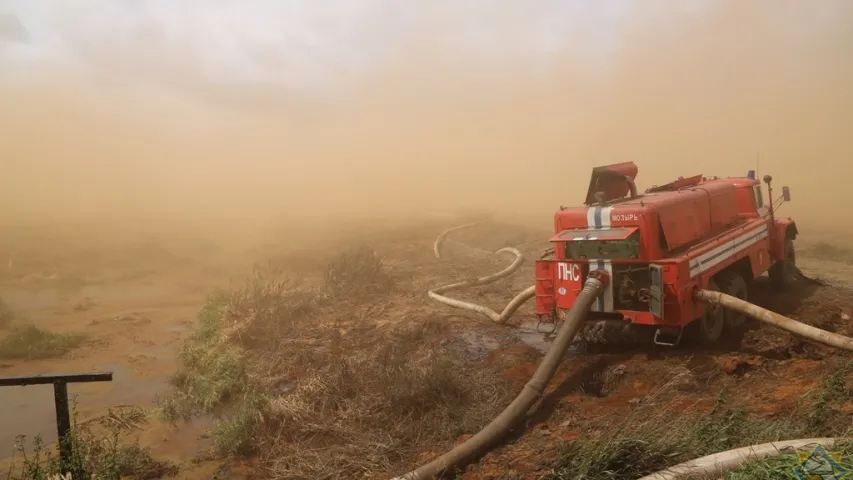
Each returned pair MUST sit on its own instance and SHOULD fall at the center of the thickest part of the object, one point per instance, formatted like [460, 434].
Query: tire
[783, 273]
[709, 327]
[733, 283]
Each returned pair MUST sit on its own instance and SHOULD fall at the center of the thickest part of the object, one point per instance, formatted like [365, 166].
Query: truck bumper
[624, 316]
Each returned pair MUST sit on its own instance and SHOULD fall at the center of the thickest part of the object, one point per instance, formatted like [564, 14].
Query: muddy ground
[136, 301]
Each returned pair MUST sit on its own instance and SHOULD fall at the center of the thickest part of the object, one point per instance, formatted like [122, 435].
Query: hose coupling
[599, 276]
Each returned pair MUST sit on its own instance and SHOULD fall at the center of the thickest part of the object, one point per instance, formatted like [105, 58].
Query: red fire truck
[660, 245]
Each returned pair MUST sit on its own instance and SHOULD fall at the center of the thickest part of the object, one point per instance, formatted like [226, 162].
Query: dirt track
[137, 301]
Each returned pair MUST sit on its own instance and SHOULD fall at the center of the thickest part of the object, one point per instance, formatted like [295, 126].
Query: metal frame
[60, 398]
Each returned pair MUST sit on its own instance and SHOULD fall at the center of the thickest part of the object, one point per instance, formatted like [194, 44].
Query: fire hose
[442, 237]
[717, 464]
[512, 306]
[532, 392]
[771, 318]
[515, 304]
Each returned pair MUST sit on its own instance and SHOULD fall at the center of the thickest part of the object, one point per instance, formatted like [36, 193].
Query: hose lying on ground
[436, 248]
[515, 304]
[512, 306]
[719, 464]
[532, 392]
[766, 316]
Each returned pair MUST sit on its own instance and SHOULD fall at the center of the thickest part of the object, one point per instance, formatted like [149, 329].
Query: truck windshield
[610, 244]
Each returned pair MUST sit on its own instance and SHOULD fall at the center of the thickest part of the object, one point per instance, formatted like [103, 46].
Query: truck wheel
[783, 273]
[709, 328]
[733, 283]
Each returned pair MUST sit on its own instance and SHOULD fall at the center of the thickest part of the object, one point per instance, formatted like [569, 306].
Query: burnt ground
[137, 303]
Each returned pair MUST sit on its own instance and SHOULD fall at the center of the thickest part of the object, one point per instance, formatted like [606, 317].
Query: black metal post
[60, 397]
[63, 424]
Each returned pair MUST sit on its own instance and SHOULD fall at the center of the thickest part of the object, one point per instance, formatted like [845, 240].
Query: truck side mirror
[786, 194]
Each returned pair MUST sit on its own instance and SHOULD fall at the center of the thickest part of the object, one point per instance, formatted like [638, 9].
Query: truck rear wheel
[783, 273]
[709, 328]
[732, 283]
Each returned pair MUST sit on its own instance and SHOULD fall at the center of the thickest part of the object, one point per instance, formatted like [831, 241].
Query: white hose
[719, 464]
[512, 306]
[436, 248]
[799, 329]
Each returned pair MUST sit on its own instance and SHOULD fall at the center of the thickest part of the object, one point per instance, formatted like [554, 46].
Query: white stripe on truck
[727, 250]
[599, 218]
[605, 300]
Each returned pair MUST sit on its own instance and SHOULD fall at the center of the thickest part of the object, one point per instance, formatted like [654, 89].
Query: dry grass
[101, 454]
[302, 375]
[23, 340]
[357, 272]
[26, 341]
[661, 433]
[361, 414]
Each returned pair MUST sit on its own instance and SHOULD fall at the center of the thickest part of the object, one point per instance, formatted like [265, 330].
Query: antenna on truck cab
[758, 165]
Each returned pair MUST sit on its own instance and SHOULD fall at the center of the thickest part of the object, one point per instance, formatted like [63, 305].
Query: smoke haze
[249, 113]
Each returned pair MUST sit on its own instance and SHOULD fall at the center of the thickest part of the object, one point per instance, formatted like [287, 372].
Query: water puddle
[160, 352]
[178, 328]
[128, 389]
[528, 333]
[49, 297]
[191, 438]
[478, 344]
[30, 410]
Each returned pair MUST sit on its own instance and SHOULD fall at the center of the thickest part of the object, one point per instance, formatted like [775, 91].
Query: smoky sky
[309, 51]
[241, 106]
[307, 47]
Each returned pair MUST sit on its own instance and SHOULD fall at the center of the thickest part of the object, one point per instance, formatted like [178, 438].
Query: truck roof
[665, 197]
[688, 211]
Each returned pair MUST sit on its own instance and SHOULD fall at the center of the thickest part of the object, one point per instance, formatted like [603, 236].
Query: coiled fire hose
[515, 304]
[512, 306]
[712, 465]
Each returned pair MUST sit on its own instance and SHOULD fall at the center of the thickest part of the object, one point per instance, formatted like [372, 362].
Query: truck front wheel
[783, 273]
